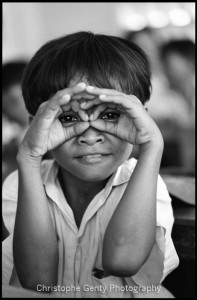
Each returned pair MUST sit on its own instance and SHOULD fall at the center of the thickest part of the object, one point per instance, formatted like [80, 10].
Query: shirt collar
[123, 173]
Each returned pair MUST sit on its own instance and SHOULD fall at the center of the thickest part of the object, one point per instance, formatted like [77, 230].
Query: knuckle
[42, 105]
[60, 93]
[136, 99]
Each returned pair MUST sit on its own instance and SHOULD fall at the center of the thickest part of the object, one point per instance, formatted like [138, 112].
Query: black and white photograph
[98, 150]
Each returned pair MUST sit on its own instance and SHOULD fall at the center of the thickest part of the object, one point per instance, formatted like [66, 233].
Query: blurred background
[166, 31]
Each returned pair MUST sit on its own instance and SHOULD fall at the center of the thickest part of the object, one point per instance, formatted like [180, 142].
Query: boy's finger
[71, 91]
[98, 109]
[102, 125]
[51, 109]
[75, 89]
[75, 105]
[62, 97]
[126, 102]
[83, 115]
[99, 91]
[90, 103]
[83, 96]
[54, 106]
[77, 129]
[66, 107]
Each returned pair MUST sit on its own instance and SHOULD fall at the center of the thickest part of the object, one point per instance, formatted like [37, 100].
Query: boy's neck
[79, 193]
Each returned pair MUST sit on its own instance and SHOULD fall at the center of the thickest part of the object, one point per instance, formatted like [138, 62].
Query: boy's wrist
[152, 147]
[25, 158]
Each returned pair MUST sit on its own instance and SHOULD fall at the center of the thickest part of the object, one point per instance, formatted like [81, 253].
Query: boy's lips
[92, 157]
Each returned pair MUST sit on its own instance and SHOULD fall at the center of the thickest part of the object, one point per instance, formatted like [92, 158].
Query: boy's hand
[131, 121]
[56, 121]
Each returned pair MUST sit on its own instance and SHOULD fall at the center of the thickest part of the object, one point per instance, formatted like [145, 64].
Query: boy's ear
[30, 119]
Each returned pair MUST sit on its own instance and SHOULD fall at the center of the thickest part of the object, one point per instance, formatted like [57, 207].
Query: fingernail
[83, 103]
[82, 84]
[66, 97]
[102, 96]
[91, 117]
[86, 117]
[90, 87]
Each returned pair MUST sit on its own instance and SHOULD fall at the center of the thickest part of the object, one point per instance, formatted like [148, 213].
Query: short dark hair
[102, 59]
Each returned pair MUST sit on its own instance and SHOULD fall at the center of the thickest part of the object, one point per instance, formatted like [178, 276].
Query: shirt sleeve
[165, 220]
[7, 260]
[163, 258]
[9, 200]
[10, 196]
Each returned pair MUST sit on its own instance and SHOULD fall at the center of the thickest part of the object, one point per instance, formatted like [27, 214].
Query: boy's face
[92, 156]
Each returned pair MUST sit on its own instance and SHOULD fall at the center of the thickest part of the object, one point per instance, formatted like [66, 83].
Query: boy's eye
[110, 115]
[68, 118]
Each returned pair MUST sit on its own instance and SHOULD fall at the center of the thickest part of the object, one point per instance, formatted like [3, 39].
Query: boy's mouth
[92, 158]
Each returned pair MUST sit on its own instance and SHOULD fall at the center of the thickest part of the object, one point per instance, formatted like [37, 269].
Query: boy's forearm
[35, 243]
[131, 231]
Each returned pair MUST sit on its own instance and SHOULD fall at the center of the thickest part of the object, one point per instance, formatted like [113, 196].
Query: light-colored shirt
[80, 249]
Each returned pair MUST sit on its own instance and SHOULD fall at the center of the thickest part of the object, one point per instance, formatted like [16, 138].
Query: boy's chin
[93, 177]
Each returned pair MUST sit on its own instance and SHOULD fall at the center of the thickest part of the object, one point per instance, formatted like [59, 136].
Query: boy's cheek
[124, 153]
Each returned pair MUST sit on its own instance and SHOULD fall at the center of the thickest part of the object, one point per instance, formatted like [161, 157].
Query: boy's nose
[90, 137]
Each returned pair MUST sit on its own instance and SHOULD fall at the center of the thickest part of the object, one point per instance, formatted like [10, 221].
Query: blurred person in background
[178, 62]
[178, 57]
[14, 116]
[172, 101]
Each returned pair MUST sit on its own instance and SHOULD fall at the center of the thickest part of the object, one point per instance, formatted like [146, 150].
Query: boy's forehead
[77, 79]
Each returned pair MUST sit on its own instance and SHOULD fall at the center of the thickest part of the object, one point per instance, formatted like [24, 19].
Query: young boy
[91, 222]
